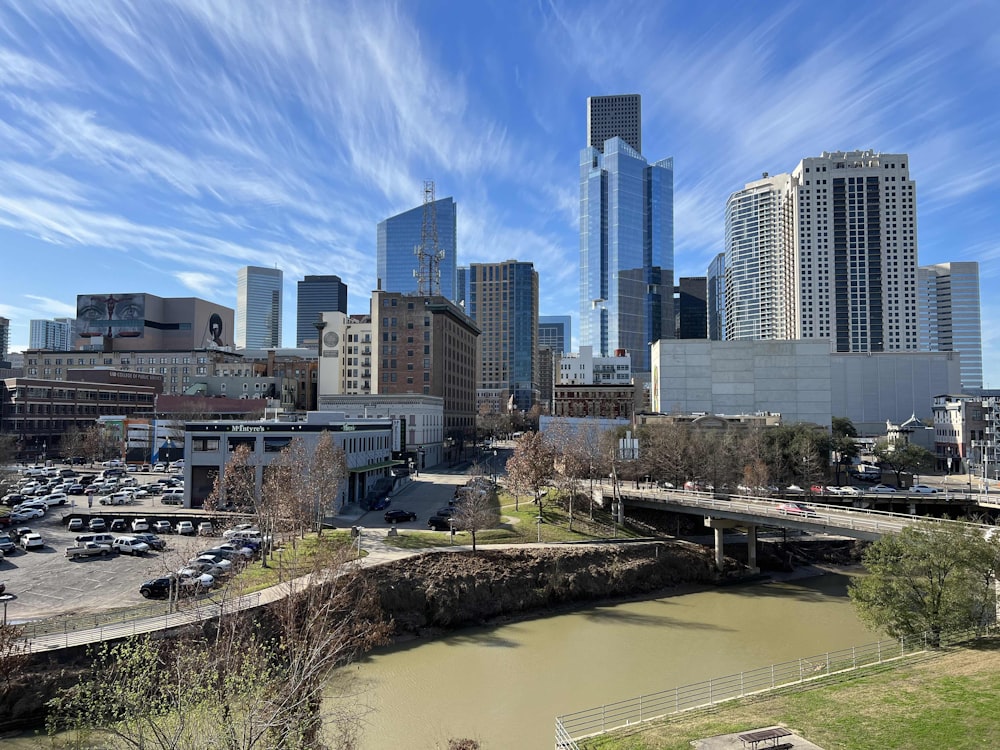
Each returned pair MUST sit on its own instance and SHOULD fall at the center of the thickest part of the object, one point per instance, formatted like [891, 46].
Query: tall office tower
[461, 286]
[626, 251]
[56, 335]
[950, 315]
[856, 243]
[317, 295]
[691, 308]
[716, 282]
[4, 338]
[760, 261]
[503, 302]
[399, 237]
[555, 332]
[617, 116]
[258, 308]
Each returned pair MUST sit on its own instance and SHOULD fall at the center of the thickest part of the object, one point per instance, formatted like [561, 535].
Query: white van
[173, 496]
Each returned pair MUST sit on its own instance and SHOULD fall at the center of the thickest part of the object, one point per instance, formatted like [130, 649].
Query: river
[504, 685]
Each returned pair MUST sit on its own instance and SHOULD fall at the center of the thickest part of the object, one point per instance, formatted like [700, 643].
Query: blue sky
[159, 146]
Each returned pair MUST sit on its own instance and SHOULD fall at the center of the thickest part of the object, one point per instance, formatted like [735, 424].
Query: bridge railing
[570, 728]
[859, 519]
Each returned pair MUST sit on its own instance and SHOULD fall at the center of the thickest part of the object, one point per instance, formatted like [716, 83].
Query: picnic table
[766, 738]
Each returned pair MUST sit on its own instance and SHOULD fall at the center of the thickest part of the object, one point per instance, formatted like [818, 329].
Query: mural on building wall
[111, 315]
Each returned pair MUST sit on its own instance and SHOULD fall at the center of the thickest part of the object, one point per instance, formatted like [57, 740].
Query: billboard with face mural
[111, 315]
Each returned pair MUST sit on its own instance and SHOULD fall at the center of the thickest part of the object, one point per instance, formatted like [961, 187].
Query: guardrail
[591, 722]
[858, 519]
[45, 635]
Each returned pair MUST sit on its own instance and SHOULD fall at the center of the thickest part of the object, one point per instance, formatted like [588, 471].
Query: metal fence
[703, 695]
[56, 633]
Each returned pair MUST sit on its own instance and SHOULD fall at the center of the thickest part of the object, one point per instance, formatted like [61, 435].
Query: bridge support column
[752, 549]
[720, 525]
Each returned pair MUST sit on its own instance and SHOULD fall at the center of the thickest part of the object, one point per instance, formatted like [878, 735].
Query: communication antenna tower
[428, 252]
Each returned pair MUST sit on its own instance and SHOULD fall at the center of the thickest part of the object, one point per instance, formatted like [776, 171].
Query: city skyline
[144, 146]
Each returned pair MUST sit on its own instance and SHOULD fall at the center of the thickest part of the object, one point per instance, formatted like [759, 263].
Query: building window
[205, 444]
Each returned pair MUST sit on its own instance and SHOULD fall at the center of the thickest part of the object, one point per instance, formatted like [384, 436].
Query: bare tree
[532, 465]
[251, 681]
[476, 509]
[327, 473]
[71, 442]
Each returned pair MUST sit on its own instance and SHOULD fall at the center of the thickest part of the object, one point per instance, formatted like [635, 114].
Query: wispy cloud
[53, 308]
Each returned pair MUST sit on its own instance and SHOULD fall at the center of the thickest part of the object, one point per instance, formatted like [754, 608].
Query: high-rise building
[4, 338]
[616, 116]
[427, 345]
[258, 308]
[398, 239]
[503, 301]
[691, 308]
[857, 250]
[950, 316]
[626, 251]
[828, 252]
[316, 295]
[760, 261]
[716, 282]
[51, 334]
[555, 332]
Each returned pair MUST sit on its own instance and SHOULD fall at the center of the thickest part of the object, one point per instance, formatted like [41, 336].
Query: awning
[374, 467]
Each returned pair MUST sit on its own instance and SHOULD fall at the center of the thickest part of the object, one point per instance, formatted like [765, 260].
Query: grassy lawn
[518, 526]
[947, 699]
[296, 558]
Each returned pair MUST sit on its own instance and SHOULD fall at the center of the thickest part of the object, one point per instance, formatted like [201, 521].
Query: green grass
[297, 558]
[946, 699]
[518, 526]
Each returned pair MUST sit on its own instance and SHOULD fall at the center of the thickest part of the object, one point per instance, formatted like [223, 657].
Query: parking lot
[47, 583]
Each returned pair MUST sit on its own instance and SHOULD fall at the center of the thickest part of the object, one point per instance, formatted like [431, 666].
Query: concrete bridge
[721, 513]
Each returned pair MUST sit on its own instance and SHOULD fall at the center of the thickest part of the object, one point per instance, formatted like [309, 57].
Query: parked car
[152, 540]
[32, 541]
[99, 538]
[796, 509]
[162, 527]
[923, 489]
[439, 523]
[18, 532]
[97, 524]
[230, 533]
[7, 544]
[159, 588]
[74, 489]
[223, 561]
[173, 496]
[793, 489]
[116, 498]
[220, 553]
[184, 527]
[192, 577]
[130, 545]
[118, 524]
[140, 524]
[177, 465]
[29, 512]
[881, 488]
[88, 549]
[210, 568]
[160, 467]
[205, 528]
[237, 547]
[397, 515]
[75, 524]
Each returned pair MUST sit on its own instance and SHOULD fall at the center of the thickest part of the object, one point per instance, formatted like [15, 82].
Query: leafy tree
[843, 427]
[250, 681]
[902, 457]
[930, 578]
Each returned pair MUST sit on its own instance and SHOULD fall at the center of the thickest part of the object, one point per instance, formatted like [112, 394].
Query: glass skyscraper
[399, 236]
[258, 308]
[317, 295]
[555, 332]
[503, 302]
[716, 280]
[950, 316]
[626, 251]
